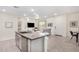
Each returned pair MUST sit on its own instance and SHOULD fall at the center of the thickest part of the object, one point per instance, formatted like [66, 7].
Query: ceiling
[42, 11]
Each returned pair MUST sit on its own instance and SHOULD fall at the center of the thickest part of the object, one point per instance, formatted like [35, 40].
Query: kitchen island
[31, 41]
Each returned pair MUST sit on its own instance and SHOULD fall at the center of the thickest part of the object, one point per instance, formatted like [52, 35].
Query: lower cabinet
[17, 40]
[24, 44]
[21, 43]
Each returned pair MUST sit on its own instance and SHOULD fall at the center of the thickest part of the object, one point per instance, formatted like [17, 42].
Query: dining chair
[74, 35]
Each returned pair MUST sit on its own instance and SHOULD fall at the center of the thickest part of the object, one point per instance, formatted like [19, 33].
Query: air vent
[16, 6]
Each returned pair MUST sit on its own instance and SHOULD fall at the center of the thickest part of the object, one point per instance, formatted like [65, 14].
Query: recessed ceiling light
[55, 14]
[32, 10]
[3, 10]
[24, 14]
[37, 17]
[28, 19]
[45, 16]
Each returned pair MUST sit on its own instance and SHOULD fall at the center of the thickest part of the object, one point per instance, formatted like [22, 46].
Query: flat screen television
[30, 25]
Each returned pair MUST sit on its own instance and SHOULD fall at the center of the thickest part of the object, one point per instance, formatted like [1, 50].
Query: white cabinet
[18, 41]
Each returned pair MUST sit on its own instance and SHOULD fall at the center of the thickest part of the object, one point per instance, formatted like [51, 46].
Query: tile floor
[8, 46]
[61, 44]
[55, 44]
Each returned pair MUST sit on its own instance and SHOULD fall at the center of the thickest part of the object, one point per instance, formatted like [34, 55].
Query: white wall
[7, 33]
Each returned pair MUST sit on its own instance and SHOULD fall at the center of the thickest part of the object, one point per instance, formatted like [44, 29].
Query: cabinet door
[19, 43]
[24, 44]
[17, 40]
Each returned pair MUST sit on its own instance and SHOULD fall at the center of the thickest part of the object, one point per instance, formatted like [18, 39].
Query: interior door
[60, 26]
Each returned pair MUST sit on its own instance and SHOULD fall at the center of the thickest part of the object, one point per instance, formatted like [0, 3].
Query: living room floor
[55, 44]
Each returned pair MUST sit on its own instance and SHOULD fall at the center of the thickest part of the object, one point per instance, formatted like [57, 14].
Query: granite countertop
[33, 35]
